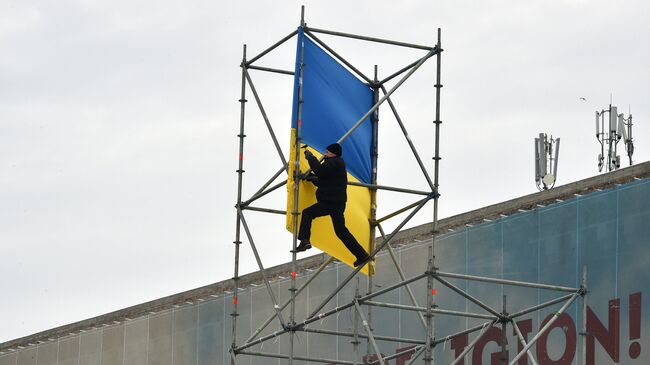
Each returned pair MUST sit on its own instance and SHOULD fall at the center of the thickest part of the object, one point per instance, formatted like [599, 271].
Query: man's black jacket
[332, 179]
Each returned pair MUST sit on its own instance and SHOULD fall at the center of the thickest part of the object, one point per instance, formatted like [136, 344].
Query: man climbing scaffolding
[330, 177]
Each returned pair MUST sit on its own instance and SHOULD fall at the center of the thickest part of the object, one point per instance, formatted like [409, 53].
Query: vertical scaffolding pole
[428, 354]
[355, 326]
[296, 189]
[240, 176]
[373, 195]
[584, 315]
[431, 264]
[504, 350]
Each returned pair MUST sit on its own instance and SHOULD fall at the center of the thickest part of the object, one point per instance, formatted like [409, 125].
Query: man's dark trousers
[335, 211]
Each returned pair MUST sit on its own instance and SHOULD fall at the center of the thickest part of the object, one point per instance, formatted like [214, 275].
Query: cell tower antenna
[547, 154]
[619, 128]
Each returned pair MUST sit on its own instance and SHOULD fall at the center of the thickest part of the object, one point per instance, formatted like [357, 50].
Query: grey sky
[118, 123]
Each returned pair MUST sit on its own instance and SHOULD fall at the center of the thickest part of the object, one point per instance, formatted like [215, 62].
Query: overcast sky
[118, 123]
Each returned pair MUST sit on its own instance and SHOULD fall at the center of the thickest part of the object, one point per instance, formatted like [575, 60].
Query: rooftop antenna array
[610, 134]
[547, 152]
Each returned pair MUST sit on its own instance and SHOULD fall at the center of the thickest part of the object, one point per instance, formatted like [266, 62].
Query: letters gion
[603, 333]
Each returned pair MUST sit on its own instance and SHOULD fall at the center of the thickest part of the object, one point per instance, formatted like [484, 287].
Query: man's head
[333, 150]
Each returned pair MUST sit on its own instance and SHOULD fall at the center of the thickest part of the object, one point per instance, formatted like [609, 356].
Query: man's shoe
[303, 246]
[361, 261]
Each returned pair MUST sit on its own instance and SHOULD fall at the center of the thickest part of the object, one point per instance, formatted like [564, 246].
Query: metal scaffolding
[362, 328]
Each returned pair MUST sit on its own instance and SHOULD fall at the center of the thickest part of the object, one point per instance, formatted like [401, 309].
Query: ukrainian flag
[333, 101]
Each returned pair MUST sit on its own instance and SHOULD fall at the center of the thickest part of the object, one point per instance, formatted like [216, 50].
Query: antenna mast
[618, 128]
[547, 152]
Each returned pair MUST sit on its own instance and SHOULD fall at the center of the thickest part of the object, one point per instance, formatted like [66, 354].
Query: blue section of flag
[333, 101]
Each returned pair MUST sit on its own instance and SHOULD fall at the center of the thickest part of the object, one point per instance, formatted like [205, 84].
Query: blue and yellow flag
[333, 101]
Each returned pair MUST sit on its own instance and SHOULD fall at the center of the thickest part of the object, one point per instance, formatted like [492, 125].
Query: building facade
[601, 224]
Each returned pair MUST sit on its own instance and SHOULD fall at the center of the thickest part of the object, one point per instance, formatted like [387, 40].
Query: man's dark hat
[336, 149]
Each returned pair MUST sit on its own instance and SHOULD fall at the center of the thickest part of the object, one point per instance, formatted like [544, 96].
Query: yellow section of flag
[357, 212]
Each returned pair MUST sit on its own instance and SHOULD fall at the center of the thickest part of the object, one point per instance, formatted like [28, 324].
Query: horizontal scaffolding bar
[274, 46]
[437, 311]
[302, 358]
[350, 334]
[506, 282]
[265, 210]
[269, 69]
[370, 39]
[390, 188]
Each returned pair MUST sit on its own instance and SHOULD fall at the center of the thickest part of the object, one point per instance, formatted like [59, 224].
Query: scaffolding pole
[373, 200]
[431, 269]
[240, 176]
[296, 192]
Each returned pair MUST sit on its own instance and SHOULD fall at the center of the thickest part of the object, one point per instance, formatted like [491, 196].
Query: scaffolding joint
[295, 327]
[233, 349]
[433, 271]
[243, 100]
[374, 84]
